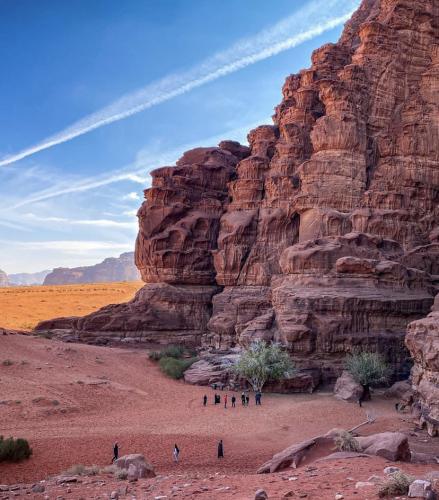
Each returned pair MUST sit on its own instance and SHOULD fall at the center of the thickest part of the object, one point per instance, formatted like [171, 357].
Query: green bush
[345, 441]
[170, 351]
[155, 355]
[397, 484]
[175, 368]
[14, 450]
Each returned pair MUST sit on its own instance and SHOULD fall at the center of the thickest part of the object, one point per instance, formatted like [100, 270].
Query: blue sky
[199, 71]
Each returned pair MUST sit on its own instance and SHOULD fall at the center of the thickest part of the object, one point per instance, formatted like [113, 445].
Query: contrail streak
[305, 24]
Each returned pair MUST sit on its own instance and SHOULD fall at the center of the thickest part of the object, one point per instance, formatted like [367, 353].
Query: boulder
[346, 388]
[261, 495]
[393, 446]
[401, 390]
[420, 489]
[136, 466]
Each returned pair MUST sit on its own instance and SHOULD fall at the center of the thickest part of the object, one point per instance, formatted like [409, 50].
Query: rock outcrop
[4, 281]
[423, 342]
[26, 279]
[323, 234]
[121, 268]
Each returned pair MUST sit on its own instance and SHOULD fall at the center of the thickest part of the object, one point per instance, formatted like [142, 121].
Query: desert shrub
[7, 362]
[173, 351]
[121, 474]
[14, 450]
[262, 362]
[175, 368]
[82, 470]
[398, 483]
[368, 369]
[170, 351]
[155, 355]
[110, 469]
[345, 441]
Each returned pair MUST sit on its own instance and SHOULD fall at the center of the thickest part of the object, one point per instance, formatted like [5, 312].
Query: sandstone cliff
[423, 341]
[121, 268]
[26, 279]
[323, 233]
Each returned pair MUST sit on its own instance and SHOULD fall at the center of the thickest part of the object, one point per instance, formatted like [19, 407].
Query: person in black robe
[220, 449]
[205, 400]
[115, 452]
[233, 401]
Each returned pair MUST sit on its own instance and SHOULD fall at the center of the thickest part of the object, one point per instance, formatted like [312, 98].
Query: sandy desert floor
[72, 401]
[22, 307]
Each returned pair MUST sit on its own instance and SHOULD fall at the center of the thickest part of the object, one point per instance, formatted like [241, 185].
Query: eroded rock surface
[423, 341]
[323, 234]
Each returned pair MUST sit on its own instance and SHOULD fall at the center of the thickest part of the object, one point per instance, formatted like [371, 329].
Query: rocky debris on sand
[393, 446]
[347, 388]
[390, 445]
[420, 489]
[261, 495]
[423, 342]
[399, 390]
[136, 466]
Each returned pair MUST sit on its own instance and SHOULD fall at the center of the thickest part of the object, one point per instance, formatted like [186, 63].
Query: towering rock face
[423, 341]
[121, 268]
[323, 234]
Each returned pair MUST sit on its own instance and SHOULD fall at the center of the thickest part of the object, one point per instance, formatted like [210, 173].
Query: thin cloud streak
[303, 25]
[137, 171]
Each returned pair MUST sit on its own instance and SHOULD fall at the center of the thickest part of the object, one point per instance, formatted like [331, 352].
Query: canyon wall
[323, 233]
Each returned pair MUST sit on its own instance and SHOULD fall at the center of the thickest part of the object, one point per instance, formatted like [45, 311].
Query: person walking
[247, 400]
[233, 401]
[243, 399]
[176, 453]
[220, 449]
[258, 397]
[205, 400]
[225, 401]
[115, 452]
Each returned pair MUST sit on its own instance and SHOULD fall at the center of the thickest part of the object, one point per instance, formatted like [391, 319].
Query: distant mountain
[25, 279]
[121, 268]
[4, 281]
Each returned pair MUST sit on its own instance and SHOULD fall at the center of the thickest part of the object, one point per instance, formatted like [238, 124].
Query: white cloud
[130, 213]
[70, 246]
[131, 196]
[84, 222]
[312, 20]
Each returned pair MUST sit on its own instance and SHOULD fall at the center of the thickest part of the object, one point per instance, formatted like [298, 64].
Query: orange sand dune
[23, 307]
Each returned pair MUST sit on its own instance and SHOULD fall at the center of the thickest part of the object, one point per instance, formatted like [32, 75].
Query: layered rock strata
[323, 233]
[423, 342]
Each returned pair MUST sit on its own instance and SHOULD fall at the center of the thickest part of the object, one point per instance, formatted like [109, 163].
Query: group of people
[175, 452]
[245, 399]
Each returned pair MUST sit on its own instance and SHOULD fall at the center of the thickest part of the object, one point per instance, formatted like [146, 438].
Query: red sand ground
[72, 401]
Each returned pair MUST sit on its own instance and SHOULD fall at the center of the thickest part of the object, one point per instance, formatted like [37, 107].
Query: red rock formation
[323, 233]
[423, 341]
[121, 268]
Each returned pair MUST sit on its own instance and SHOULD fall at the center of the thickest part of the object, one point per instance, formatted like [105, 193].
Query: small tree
[368, 369]
[262, 362]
